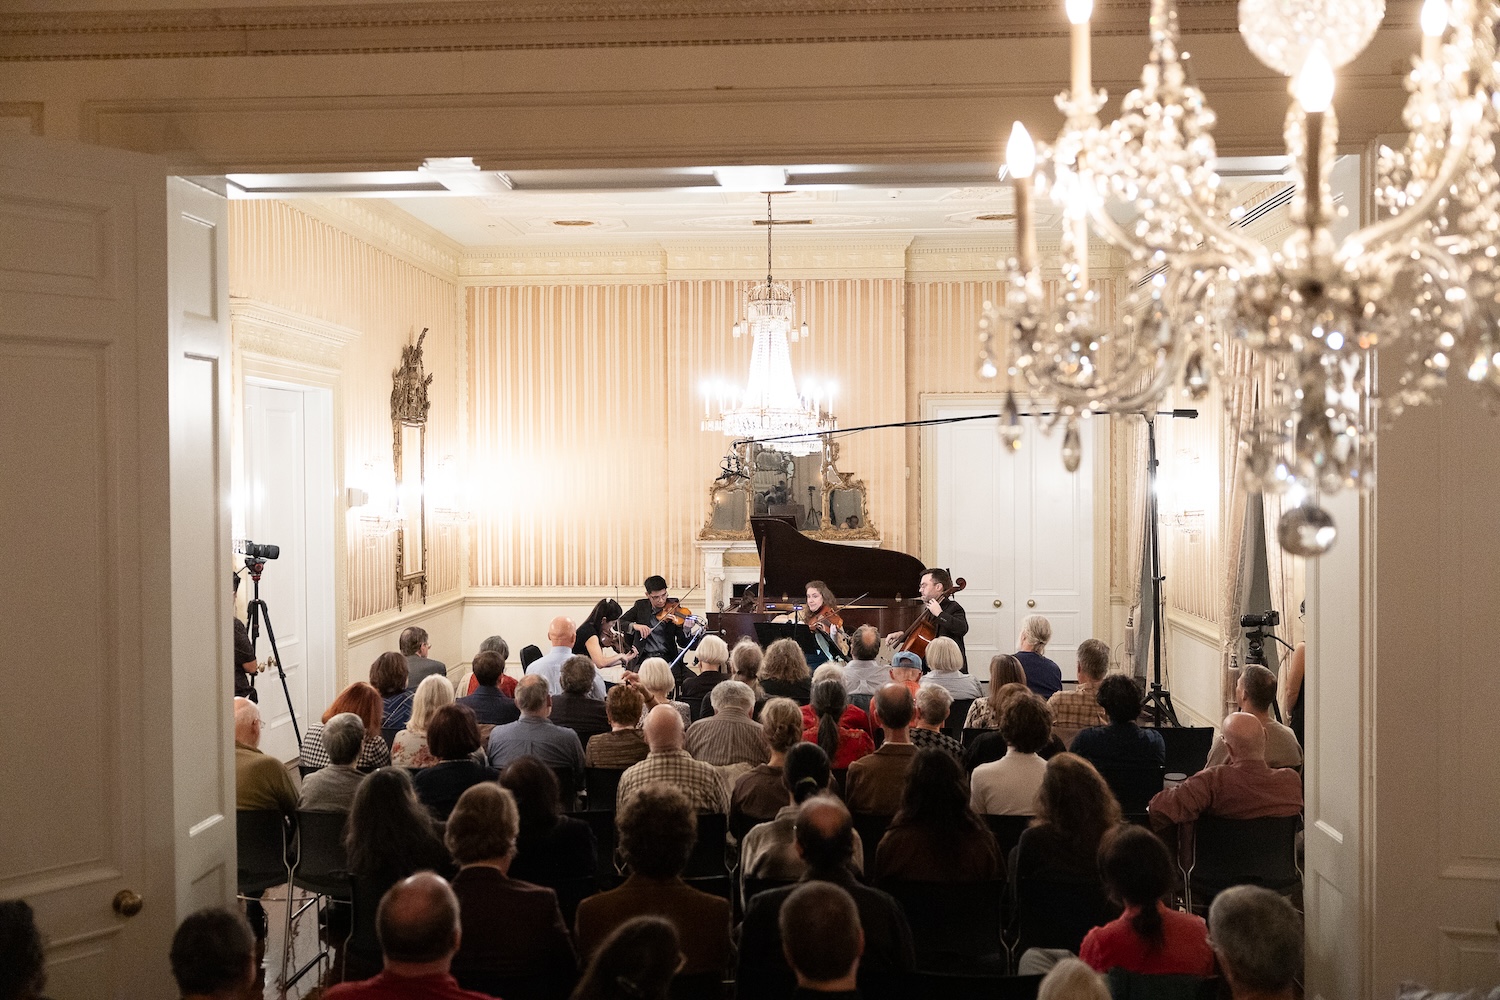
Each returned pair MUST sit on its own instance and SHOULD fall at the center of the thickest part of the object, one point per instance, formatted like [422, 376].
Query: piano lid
[790, 559]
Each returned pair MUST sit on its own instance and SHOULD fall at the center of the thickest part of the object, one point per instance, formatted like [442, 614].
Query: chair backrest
[970, 735]
[954, 727]
[952, 923]
[1065, 734]
[715, 885]
[262, 838]
[322, 862]
[605, 838]
[1007, 831]
[870, 829]
[1057, 913]
[567, 788]
[708, 857]
[698, 986]
[695, 707]
[1133, 786]
[750, 887]
[1244, 852]
[1187, 747]
[1125, 985]
[571, 892]
[602, 786]
[968, 986]
[389, 735]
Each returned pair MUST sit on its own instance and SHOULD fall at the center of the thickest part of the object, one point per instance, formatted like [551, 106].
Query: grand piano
[789, 559]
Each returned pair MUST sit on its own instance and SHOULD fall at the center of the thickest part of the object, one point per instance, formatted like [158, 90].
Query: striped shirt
[731, 738]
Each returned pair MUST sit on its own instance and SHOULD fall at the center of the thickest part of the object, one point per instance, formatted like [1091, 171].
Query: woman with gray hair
[332, 788]
[656, 683]
[512, 930]
[713, 659]
[1043, 676]
[946, 663]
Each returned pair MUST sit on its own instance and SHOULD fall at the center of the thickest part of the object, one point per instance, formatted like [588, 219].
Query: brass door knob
[1031, 604]
[127, 903]
[999, 603]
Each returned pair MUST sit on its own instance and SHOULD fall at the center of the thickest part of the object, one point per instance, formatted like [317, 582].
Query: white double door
[1017, 526]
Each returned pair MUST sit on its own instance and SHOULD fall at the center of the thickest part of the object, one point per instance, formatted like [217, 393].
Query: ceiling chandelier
[769, 405]
[1292, 330]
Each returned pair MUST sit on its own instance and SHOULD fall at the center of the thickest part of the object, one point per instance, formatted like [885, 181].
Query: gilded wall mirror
[757, 481]
[409, 405]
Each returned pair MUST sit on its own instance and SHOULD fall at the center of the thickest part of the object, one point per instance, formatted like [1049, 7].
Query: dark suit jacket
[702, 685]
[490, 707]
[511, 928]
[419, 668]
[580, 713]
[954, 624]
[889, 955]
[702, 921]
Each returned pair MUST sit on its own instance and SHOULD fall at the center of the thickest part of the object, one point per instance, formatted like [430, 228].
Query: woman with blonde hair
[744, 666]
[410, 746]
[985, 714]
[656, 684]
[946, 663]
[713, 658]
[784, 673]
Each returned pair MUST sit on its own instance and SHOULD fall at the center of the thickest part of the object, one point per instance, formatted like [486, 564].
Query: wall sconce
[445, 491]
[1183, 499]
[374, 500]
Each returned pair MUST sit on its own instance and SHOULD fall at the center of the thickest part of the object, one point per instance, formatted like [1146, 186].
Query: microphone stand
[1158, 698]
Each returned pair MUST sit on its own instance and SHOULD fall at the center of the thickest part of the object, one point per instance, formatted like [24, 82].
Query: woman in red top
[843, 746]
[1148, 938]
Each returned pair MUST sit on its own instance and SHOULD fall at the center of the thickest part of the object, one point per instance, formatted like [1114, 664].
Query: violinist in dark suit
[951, 621]
[648, 636]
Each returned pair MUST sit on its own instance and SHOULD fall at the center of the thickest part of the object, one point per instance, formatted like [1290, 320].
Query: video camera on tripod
[256, 612]
[1255, 640]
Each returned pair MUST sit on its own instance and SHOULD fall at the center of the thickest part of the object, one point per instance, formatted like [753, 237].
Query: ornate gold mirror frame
[732, 500]
[409, 406]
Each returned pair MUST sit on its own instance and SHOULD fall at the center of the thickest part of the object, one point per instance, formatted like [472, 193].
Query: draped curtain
[1239, 406]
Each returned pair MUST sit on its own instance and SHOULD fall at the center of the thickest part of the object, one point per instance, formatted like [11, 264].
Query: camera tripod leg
[257, 608]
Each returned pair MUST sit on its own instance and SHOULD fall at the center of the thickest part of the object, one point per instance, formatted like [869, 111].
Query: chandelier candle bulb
[1079, 14]
[1020, 157]
[1313, 89]
[1434, 23]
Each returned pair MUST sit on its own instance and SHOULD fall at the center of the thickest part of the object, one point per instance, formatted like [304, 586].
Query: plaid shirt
[700, 782]
[731, 738]
[931, 739]
[1077, 709]
[373, 752]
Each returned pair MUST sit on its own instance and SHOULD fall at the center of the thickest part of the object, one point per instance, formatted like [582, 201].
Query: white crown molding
[389, 229]
[628, 265]
[745, 260]
[267, 330]
[950, 260]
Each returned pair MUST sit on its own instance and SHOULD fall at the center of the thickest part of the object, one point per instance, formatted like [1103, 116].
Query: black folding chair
[567, 788]
[322, 869]
[601, 786]
[1133, 786]
[715, 885]
[956, 926]
[709, 853]
[974, 986]
[970, 735]
[954, 727]
[1057, 913]
[389, 735]
[571, 892]
[538, 986]
[1187, 748]
[698, 986]
[606, 870]
[266, 858]
[751, 887]
[1228, 852]
[695, 707]
[1125, 985]
[871, 829]
[1007, 831]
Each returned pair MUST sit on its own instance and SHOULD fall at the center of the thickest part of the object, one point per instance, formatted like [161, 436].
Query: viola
[924, 629]
[830, 623]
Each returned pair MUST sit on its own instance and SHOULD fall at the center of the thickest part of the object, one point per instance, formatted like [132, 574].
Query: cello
[924, 629]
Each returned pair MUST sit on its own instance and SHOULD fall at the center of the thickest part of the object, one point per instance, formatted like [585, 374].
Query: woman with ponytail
[769, 850]
[842, 745]
[1148, 938]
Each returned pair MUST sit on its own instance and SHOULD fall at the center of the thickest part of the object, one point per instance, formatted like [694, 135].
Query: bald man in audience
[668, 762]
[876, 781]
[260, 781]
[562, 632]
[1244, 788]
[1254, 692]
[418, 927]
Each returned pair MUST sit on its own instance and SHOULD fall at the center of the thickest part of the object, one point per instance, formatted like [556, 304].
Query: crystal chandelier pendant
[1307, 530]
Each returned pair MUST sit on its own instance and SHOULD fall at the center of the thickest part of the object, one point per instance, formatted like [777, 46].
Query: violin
[828, 622]
[674, 611]
[924, 629]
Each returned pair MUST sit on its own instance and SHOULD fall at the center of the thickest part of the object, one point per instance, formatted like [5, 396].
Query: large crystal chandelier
[769, 405]
[1290, 331]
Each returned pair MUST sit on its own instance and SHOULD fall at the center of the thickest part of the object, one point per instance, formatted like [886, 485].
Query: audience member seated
[260, 781]
[945, 663]
[823, 940]
[511, 928]
[784, 673]
[506, 683]
[534, 735]
[906, 669]
[934, 703]
[410, 746]
[577, 708]
[418, 925]
[991, 746]
[825, 841]
[1043, 676]
[1255, 692]
[863, 674]
[1004, 670]
[877, 781]
[658, 828]
[935, 836]
[1244, 788]
[212, 956]
[769, 851]
[1257, 936]
[636, 962]
[551, 848]
[561, 633]
[708, 670]
[1074, 811]
[760, 793]
[1149, 938]
[23, 975]
[1122, 743]
[1071, 979]
[854, 717]
[419, 666]
[452, 738]
[1079, 708]
[489, 702]
[364, 701]
[744, 666]
[843, 744]
[669, 763]
[623, 745]
[729, 739]
[1008, 786]
[331, 788]
[656, 684]
[388, 675]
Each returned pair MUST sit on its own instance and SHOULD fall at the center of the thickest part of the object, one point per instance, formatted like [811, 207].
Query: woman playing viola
[596, 632]
[821, 614]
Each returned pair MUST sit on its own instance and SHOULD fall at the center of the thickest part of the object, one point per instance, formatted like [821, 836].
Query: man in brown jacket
[876, 780]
